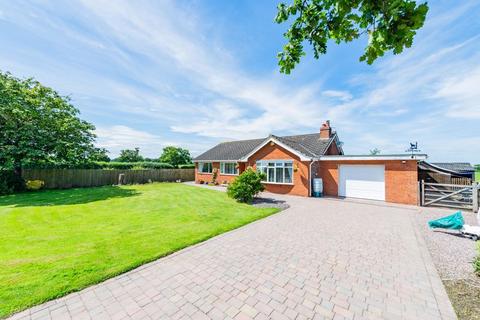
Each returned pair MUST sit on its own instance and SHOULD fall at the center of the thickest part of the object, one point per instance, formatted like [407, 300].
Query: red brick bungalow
[291, 162]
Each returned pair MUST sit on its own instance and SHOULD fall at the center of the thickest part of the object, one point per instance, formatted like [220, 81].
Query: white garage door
[362, 181]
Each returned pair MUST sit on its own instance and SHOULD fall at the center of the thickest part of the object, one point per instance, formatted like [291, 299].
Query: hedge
[186, 166]
[103, 165]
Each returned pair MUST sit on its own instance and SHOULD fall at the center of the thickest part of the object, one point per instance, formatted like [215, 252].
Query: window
[228, 168]
[277, 171]
[205, 167]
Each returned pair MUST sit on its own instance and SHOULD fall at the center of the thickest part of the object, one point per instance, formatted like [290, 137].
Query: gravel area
[452, 253]
[263, 202]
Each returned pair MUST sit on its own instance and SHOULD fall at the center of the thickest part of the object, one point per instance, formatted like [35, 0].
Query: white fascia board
[379, 157]
[337, 142]
[232, 161]
[281, 144]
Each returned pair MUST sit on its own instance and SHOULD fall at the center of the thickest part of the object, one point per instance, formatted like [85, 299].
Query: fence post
[422, 193]
[475, 196]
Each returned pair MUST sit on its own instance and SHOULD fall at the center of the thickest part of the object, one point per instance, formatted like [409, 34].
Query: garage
[362, 181]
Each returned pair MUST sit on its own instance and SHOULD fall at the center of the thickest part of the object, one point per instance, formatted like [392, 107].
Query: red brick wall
[332, 150]
[221, 178]
[401, 185]
[300, 175]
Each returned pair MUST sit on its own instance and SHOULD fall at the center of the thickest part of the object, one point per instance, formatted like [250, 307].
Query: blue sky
[195, 73]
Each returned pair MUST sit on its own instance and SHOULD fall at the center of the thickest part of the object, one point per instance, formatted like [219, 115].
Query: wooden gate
[450, 195]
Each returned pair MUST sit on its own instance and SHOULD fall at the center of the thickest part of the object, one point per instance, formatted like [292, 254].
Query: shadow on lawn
[66, 197]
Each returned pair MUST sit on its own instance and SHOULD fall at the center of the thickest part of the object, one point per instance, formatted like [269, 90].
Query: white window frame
[277, 164]
[201, 165]
[235, 170]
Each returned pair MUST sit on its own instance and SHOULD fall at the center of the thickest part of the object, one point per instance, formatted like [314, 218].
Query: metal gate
[450, 195]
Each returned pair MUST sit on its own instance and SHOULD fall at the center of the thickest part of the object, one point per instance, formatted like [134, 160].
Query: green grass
[477, 175]
[58, 241]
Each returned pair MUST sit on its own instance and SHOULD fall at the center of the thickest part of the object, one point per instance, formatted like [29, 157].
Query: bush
[476, 262]
[34, 184]
[10, 182]
[246, 186]
[186, 166]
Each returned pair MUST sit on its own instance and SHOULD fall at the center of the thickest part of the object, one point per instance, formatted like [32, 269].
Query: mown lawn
[58, 241]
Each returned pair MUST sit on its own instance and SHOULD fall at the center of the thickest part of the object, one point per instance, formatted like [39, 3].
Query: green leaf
[390, 25]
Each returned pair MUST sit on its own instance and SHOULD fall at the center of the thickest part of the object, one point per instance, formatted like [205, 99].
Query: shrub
[34, 184]
[476, 262]
[10, 182]
[214, 175]
[246, 186]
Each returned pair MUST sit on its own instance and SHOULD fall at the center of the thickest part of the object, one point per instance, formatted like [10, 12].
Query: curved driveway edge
[319, 259]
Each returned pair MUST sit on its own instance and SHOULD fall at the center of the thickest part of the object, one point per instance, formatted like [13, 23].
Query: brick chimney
[325, 130]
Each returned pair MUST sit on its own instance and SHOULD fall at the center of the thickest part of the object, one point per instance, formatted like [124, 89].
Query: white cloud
[341, 95]
[461, 92]
[116, 138]
[272, 105]
[428, 93]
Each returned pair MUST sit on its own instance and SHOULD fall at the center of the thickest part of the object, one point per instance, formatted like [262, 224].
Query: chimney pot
[325, 130]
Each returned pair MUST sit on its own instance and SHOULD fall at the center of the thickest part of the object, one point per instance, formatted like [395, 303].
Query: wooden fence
[434, 177]
[71, 178]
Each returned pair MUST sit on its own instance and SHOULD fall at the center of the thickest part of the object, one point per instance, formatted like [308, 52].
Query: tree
[129, 155]
[390, 25]
[39, 126]
[175, 156]
[101, 154]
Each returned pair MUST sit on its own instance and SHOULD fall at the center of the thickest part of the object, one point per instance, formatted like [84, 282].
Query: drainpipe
[310, 176]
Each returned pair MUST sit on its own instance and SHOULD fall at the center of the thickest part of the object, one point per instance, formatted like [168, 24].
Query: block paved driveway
[319, 259]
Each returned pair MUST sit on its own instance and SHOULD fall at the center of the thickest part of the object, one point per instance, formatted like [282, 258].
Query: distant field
[477, 175]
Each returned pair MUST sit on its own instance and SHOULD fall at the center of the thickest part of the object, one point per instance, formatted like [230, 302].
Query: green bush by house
[246, 186]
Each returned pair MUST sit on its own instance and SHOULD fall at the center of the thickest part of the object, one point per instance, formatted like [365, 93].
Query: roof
[455, 166]
[435, 167]
[233, 150]
[308, 145]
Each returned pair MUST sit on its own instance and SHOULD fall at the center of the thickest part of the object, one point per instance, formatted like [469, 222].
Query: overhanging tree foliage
[390, 25]
[37, 126]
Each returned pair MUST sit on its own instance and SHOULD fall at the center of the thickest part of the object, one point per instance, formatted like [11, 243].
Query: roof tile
[310, 145]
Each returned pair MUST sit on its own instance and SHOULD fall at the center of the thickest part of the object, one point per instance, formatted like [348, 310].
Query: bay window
[228, 168]
[205, 167]
[277, 171]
